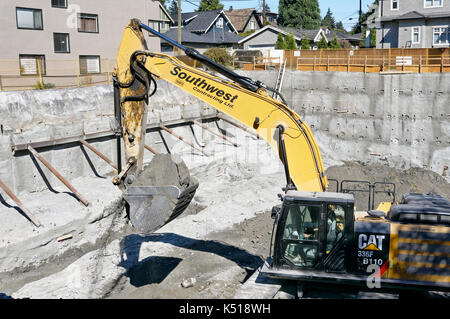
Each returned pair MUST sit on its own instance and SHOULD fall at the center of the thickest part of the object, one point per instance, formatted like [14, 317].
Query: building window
[29, 18]
[416, 35]
[164, 26]
[160, 26]
[59, 3]
[87, 23]
[394, 4]
[252, 25]
[441, 35]
[61, 42]
[32, 64]
[89, 64]
[433, 3]
[219, 23]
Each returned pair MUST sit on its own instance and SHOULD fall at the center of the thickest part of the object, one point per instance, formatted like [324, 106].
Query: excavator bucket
[151, 207]
[160, 193]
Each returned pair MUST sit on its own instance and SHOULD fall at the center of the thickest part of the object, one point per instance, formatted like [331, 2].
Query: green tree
[299, 14]
[373, 38]
[328, 20]
[334, 43]
[305, 43]
[289, 42]
[323, 44]
[340, 26]
[280, 44]
[173, 8]
[208, 5]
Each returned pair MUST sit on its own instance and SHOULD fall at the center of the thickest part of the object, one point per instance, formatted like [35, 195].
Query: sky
[342, 10]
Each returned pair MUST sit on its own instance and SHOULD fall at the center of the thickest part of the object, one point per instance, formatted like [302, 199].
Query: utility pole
[360, 16]
[264, 13]
[179, 26]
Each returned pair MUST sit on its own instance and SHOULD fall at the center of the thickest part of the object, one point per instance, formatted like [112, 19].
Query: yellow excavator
[318, 236]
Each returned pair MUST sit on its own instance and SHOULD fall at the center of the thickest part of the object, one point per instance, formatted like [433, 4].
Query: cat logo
[371, 242]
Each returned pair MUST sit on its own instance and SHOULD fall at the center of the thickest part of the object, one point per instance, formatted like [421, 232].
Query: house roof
[210, 38]
[201, 21]
[343, 36]
[185, 16]
[299, 34]
[166, 12]
[273, 14]
[240, 17]
[186, 36]
[415, 15]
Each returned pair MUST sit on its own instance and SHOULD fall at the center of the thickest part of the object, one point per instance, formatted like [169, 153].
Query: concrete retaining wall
[36, 116]
[399, 119]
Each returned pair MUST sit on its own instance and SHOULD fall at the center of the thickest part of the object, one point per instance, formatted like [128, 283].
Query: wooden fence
[370, 60]
[346, 60]
[52, 73]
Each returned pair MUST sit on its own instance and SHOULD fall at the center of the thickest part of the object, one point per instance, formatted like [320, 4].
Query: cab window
[301, 234]
[335, 225]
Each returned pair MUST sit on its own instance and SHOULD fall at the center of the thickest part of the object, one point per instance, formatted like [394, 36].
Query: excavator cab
[319, 238]
[312, 231]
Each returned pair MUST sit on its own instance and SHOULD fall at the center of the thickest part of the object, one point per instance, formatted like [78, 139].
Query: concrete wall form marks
[400, 120]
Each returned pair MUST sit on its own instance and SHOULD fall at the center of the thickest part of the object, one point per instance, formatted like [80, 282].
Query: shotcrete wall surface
[402, 120]
[37, 116]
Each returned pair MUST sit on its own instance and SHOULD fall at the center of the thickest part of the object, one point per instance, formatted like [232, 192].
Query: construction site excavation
[182, 180]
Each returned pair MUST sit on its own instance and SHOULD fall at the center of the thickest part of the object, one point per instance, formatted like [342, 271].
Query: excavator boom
[237, 96]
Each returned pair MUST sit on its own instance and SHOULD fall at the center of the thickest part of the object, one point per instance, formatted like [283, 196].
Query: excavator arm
[239, 97]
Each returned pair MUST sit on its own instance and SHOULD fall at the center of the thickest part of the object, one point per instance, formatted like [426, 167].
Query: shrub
[44, 86]
[219, 55]
[280, 44]
[305, 44]
[289, 42]
[334, 44]
[323, 44]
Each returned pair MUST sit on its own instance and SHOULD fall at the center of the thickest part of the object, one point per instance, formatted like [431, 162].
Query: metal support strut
[212, 132]
[219, 116]
[98, 153]
[148, 148]
[182, 139]
[62, 179]
[19, 203]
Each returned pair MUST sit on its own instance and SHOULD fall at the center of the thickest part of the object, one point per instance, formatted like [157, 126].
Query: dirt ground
[220, 264]
[217, 266]
[413, 180]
